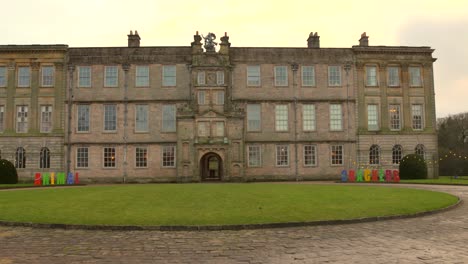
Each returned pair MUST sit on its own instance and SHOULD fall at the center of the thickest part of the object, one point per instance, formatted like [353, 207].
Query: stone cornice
[392, 50]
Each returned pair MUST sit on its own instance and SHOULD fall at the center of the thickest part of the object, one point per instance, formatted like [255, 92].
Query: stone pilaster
[384, 124]
[59, 94]
[10, 111]
[34, 112]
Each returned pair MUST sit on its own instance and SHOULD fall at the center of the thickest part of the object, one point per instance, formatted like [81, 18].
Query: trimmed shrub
[413, 166]
[8, 174]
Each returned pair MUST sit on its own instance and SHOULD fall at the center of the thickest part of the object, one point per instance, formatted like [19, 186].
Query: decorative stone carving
[209, 42]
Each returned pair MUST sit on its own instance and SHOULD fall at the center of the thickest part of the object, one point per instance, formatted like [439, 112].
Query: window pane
[111, 76]
[20, 158]
[336, 117]
[219, 95]
[169, 118]
[419, 150]
[310, 155]
[281, 117]
[371, 72]
[169, 158]
[394, 112]
[396, 154]
[201, 97]
[334, 75]
[84, 76]
[22, 119]
[110, 117]
[141, 157]
[253, 117]
[169, 75]
[3, 76]
[44, 158]
[46, 118]
[393, 76]
[415, 76]
[47, 75]
[417, 114]
[24, 76]
[141, 118]
[83, 118]
[281, 75]
[308, 116]
[2, 118]
[254, 156]
[374, 155]
[337, 155]
[109, 157]
[82, 157]
[372, 117]
[308, 76]
[220, 77]
[201, 77]
[282, 155]
[142, 76]
[253, 75]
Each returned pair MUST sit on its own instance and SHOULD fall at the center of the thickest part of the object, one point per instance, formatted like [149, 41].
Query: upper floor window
[374, 155]
[253, 117]
[395, 118]
[393, 76]
[202, 97]
[169, 75]
[336, 121]
[308, 117]
[417, 116]
[24, 76]
[111, 76]
[84, 76]
[219, 77]
[83, 118]
[372, 117]
[3, 76]
[281, 75]
[308, 75]
[253, 75]
[415, 76]
[47, 73]
[110, 117]
[82, 157]
[22, 119]
[46, 119]
[44, 159]
[371, 75]
[281, 113]
[141, 118]
[219, 97]
[201, 77]
[2, 118]
[142, 76]
[169, 118]
[334, 76]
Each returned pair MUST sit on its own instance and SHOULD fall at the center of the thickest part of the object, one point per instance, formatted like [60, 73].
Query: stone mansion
[212, 112]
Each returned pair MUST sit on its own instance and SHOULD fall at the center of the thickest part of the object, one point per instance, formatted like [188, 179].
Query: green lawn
[14, 186]
[212, 204]
[460, 180]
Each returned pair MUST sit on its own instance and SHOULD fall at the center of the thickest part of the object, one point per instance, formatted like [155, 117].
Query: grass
[14, 186]
[212, 204]
[444, 180]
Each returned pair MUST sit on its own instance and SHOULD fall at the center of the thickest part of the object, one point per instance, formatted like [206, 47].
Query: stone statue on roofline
[209, 42]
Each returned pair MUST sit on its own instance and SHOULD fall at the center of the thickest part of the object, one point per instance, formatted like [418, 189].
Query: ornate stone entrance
[211, 167]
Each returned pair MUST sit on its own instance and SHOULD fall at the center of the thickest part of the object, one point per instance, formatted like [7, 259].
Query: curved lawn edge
[233, 227]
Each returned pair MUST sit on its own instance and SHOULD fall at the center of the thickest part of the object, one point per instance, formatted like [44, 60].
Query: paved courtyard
[437, 238]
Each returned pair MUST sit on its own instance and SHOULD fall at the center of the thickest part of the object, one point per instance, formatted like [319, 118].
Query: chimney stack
[313, 41]
[133, 40]
[364, 40]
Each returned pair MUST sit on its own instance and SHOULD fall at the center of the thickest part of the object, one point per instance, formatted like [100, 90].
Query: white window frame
[83, 125]
[202, 97]
[254, 76]
[219, 97]
[373, 117]
[281, 117]
[24, 76]
[47, 76]
[397, 154]
[415, 76]
[201, 79]
[141, 118]
[169, 118]
[142, 76]
[254, 117]
[82, 157]
[169, 75]
[308, 75]
[111, 76]
[374, 155]
[308, 117]
[3, 76]
[281, 75]
[334, 76]
[22, 118]
[393, 76]
[280, 154]
[254, 156]
[220, 77]
[417, 116]
[46, 118]
[109, 157]
[395, 118]
[169, 156]
[310, 155]
[336, 159]
[336, 117]
[110, 118]
[141, 157]
[371, 76]
[84, 76]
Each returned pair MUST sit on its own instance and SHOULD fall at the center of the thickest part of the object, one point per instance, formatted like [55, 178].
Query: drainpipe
[295, 67]
[126, 68]
[71, 68]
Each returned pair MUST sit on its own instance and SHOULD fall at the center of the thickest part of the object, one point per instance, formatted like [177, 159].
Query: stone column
[10, 111]
[34, 113]
[384, 124]
[59, 92]
[404, 85]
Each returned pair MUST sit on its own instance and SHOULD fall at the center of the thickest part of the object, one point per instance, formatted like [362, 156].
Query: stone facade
[185, 114]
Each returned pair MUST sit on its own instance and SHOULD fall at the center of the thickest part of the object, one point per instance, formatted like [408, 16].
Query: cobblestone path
[438, 238]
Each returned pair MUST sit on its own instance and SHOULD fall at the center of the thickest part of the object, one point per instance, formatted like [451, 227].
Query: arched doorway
[211, 167]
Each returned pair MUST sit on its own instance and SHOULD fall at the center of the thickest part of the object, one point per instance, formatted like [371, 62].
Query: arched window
[396, 154]
[419, 150]
[20, 158]
[374, 154]
[45, 158]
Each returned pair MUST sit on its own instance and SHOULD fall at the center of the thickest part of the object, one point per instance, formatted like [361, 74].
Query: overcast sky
[443, 25]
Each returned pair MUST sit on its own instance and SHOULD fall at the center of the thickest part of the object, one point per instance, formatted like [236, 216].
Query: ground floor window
[396, 154]
[109, 157]
[20, 158]
[337, 155]
[168, 157]
[254, 156]
[82, 157]
[282, 155]
[310, 155]
[44, 158]
[141, 157]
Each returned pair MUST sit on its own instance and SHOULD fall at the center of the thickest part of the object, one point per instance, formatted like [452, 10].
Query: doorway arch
[211, 167]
